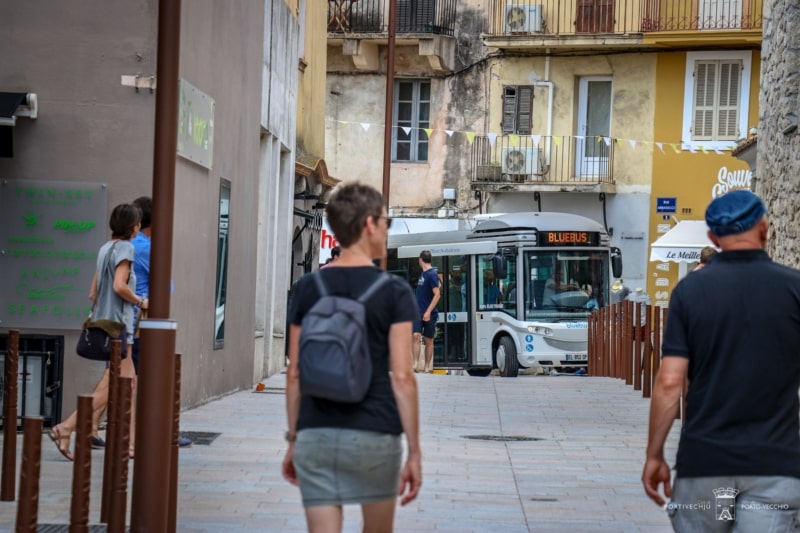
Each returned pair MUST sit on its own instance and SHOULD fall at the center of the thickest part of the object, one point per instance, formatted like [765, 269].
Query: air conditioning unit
[520, 161]
[524, 18]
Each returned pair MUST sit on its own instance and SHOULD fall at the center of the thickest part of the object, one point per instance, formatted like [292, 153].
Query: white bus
[516, 290]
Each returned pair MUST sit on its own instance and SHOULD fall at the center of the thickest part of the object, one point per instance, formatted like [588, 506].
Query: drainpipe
[549, 84]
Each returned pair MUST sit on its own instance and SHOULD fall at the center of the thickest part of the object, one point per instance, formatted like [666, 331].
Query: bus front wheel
[506, 358]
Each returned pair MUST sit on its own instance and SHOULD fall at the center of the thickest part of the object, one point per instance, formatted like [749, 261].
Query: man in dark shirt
[733, 331]
[428, 295]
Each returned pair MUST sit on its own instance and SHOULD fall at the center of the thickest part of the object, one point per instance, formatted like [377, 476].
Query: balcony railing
[372, 16]
[589, 17]
[543, 160]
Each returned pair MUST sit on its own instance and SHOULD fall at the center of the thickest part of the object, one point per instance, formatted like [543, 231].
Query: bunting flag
[515, 140]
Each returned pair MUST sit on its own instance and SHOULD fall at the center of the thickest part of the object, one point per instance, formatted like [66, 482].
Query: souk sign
[729, 180]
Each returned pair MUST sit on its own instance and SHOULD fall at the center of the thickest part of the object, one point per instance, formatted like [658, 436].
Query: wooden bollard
[119, 469]
[172, 513]
[28, 508]
[8, 486]
[111, 420]
[82, 467]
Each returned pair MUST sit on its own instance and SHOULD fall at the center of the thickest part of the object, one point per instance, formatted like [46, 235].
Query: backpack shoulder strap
[381, 279]
[323, 291]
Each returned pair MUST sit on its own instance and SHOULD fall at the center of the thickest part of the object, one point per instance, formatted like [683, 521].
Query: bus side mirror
[616, 262]
[499, 266]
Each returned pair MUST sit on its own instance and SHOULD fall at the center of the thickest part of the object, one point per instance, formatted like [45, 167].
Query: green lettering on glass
[52, 194]
[77, 311]
[31, 240]
[71, 226]
[53, 254]
[52, 293]
[48, 273]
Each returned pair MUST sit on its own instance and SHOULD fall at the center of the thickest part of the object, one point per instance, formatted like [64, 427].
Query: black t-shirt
[738, 322]
[392, 303]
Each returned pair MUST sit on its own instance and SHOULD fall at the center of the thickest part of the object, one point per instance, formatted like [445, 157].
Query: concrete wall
[778, 161]
[72, 54]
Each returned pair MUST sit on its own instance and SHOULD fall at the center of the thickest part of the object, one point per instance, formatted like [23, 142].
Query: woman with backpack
[351, 452]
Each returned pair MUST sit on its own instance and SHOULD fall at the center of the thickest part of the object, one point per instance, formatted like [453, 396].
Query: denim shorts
[735, 503]
[338, 466]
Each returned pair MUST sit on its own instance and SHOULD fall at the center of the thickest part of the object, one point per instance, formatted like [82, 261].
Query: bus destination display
[569, 238]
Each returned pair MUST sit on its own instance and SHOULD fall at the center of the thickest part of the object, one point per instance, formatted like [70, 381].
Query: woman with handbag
[113, 297]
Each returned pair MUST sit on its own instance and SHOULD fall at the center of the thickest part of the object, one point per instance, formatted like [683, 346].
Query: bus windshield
[564, 284]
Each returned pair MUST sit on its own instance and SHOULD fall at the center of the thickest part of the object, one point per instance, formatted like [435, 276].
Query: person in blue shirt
[428, 294]
[141, 267]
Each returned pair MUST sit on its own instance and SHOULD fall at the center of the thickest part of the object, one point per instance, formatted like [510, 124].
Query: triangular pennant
[632, 143]
[660, 147]
[718, 152]
[470, 136]
[692, 149]
[365, 125]
[618, 141]
[449, 133]
[558, 140]
[675, 148]
[536, 139]
[607, 140]
[344, 122]
[406, 129]
[514, 140]
[428, 131]
[492, 138]
[703, 149]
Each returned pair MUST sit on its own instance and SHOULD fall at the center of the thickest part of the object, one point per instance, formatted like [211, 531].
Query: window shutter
[524, 110]
[730, 81]
[509, 110]
[704, 100]
[403, 16]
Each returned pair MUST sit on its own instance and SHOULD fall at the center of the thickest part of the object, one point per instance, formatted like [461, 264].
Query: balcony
[620, 23]
[524, 163]
[362, 25]
[372, 17]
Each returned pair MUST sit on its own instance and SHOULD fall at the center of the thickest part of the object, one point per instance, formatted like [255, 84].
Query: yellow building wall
[693, 179]
[311, 80]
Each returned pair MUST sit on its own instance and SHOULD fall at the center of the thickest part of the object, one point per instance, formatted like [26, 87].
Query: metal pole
[8, 483]
[388, 117]
[172, 519]
[113, 416]
[149, 508]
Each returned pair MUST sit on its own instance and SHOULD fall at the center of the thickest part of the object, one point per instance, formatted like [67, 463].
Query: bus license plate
[576, 357]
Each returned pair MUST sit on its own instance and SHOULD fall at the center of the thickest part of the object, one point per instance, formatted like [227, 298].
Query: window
[412, 111]
[716, 99]
[222, 263]
[517, 109]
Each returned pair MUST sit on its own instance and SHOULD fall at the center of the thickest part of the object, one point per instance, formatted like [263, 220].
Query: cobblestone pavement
[571, 462]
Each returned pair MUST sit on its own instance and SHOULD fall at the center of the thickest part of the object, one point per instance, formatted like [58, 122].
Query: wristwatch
[290, 437]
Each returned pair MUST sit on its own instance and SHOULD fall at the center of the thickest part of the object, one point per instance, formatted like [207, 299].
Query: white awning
[682, 244]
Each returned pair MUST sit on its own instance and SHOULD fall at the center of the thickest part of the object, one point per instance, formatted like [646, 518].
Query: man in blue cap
[733, 331]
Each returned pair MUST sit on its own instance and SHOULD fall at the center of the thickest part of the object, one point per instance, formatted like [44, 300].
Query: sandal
[57, 438]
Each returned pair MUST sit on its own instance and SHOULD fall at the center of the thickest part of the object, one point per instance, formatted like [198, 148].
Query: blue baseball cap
[734, 212]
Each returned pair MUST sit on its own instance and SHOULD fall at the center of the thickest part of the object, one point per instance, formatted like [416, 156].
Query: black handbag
[94, 342]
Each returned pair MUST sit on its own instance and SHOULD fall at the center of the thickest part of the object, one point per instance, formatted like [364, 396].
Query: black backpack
[335, 361]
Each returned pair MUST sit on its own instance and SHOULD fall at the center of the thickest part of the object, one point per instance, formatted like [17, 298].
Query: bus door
[453, 316]
[496, 296]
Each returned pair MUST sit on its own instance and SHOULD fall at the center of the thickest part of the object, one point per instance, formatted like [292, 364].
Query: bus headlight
[540, 330]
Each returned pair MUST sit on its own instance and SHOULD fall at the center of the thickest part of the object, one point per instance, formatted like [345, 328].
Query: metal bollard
[82, 467]
[28, 508]
[111, 421]
[119, 469]
[8, 487]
